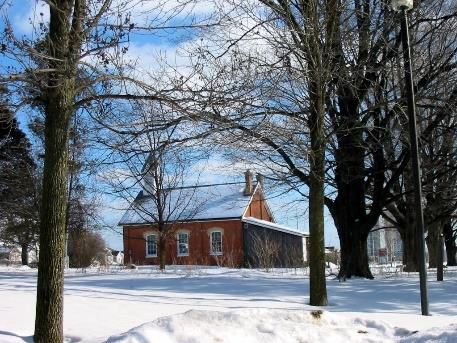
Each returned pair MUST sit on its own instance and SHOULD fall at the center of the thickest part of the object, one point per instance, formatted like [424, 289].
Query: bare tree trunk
[433, 237]
[408, 236]
[449, 241]
[162, 252]
[59, 96]
[49, 307]
[440, 258]
[24, 254]
[317, 282]
[354, 255]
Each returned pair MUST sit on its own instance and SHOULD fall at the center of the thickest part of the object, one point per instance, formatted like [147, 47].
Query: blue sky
[141, 47]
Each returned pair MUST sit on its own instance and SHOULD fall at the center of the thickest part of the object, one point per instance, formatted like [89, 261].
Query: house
[231, 225]
[10, 254]
[118, 256]
[106, 257]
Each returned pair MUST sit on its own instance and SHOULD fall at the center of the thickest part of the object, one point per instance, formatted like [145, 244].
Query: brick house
[221, 230]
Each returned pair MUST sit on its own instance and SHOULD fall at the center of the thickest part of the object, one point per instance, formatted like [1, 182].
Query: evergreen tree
[19, 196]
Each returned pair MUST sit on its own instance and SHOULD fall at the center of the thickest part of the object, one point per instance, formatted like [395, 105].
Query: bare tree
[85, 247]
[259, 85]
[155, 172]
[80, 64]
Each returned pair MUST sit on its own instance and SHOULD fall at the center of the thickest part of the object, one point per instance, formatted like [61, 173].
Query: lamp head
[398, 5]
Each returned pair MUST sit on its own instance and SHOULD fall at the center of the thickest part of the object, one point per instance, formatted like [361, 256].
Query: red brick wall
[258, 208]
[199, 244]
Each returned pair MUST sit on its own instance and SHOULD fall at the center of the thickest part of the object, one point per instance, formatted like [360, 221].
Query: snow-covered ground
[196, 304]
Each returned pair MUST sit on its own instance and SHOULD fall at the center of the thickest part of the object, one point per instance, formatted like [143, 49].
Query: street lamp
[403, 6]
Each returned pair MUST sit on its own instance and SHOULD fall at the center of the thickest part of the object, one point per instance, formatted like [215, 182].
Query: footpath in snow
[196, 304]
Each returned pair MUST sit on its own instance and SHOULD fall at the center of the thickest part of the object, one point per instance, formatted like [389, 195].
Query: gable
[258, 207]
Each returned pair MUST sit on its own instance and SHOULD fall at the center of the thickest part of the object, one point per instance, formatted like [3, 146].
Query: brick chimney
[259, 178]
[248, 178]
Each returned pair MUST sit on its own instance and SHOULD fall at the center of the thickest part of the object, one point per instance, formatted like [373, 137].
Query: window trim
[211, 252]
[146, 236]
[177, 243]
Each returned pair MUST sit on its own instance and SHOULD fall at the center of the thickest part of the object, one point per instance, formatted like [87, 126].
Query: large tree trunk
[162, 252]
[24, 254]
[317, 282]
[432, 241]
[59, 96]
[449, 241]
[49, 307]
[409, 238]
[354, 254]
[349, 210]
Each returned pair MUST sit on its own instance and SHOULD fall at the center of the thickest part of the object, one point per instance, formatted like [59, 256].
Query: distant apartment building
[384, 245]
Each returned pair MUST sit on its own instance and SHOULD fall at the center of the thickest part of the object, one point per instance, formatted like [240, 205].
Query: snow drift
[260, 326]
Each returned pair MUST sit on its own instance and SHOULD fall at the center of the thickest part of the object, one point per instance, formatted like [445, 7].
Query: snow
[205, 304]
[193, 203]
[274, 226]
[258, 325]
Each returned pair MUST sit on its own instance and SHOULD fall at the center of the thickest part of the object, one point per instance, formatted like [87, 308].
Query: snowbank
[260, 325]
[446, 334]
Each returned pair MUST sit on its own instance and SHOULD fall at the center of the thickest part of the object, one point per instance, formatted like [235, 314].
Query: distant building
[10, 254]
[118, 257]
[13, 254]
[231, 227]
[384, 245]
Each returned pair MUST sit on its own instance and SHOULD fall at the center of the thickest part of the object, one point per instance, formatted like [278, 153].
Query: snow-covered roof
[220, 201]
[273, 226]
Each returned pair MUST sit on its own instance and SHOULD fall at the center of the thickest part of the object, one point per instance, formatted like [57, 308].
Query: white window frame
[178, 243]
[212, 252]
[147, 250]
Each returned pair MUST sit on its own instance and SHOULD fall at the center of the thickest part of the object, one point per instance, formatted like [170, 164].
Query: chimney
[248, 178]
[259, 178]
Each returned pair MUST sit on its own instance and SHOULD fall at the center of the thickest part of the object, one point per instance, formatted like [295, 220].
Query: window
[151, 246]
[216, 243]
[183, 244]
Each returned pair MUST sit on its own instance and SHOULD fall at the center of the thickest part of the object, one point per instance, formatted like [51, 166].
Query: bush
[85, 248]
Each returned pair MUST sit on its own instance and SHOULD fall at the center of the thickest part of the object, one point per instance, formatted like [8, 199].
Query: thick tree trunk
[349, 210]
[24, 254]
[317, 282]
[49, 307]
[432, 241]
[349, 215]
[162, 252]
[409, 238]
[449, 241]
[354, 254]
[59, 96]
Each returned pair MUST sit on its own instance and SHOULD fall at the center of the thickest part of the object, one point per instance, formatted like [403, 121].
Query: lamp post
[403, 6]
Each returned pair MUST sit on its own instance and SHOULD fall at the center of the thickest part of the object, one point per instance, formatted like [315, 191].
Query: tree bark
[162, 252]
[440, 258]
[59, 96]
[432, 241]
[354, 254]
[317, 282]
[349, 210]
[24, 254]
[49, 307]
[408, 236]
[449, 241]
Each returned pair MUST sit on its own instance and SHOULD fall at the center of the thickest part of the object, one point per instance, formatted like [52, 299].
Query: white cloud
[28, 17]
